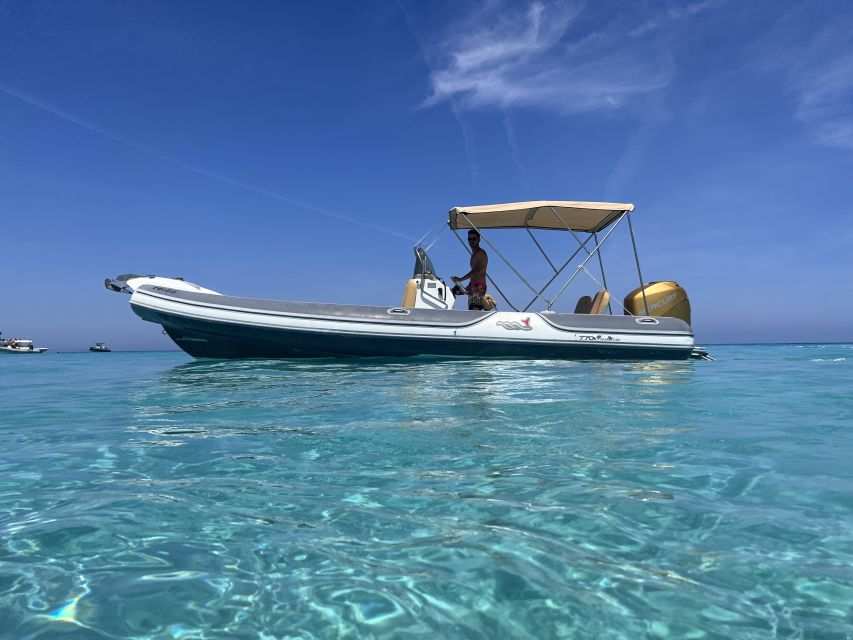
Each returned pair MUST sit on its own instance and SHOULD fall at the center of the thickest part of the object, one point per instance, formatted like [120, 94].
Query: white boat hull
[206, 324]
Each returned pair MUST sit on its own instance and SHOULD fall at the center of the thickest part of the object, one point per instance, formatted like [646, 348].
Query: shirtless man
[476, 288]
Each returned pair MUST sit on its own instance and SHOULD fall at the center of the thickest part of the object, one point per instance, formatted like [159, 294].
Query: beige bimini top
[590, 217]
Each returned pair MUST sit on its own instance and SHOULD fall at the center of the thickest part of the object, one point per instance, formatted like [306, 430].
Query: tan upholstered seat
[600, 301]
[410, 294]
[584, 304]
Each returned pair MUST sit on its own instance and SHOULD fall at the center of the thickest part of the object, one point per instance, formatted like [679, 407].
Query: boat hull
[216, 326]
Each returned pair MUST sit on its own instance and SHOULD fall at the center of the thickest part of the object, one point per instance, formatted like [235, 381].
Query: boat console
[425, 290]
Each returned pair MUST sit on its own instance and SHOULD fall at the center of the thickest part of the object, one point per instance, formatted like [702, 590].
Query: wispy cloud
[466, 137]
[512, 143]
[818, 72]
[825, 97]
[674, 14]
[508, 55]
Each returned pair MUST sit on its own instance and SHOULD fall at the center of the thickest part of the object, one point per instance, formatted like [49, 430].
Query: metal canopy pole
[603, 277]
[565, 264]
[488, 277]
[637, 260]
[541, 250]
[570, 230]
[600, 261]
[578, 240]
[500, 255]
[587, 259]
[559, 271]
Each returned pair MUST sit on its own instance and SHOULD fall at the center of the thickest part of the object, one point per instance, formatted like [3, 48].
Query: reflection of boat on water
[19, 345]
[655, 324]
[100, 347]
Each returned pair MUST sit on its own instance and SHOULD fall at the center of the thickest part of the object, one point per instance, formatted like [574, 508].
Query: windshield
[423, 264]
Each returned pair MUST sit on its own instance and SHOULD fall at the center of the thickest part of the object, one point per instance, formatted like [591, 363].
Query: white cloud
[825, 97]
[818, 72]
[507, 55]
[673, 14]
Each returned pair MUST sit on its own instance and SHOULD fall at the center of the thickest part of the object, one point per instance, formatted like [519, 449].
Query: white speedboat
[655, 323]
[20, 345]
[100, 347]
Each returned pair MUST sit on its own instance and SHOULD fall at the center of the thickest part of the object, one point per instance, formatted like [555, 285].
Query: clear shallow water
[151, 496]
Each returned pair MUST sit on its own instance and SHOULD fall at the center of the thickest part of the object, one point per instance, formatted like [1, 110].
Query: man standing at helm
[476, 288]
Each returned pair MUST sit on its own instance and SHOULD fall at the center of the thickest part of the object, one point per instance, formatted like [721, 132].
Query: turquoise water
[151, 496]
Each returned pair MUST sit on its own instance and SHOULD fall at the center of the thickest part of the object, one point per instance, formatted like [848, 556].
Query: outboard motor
[424, 290]
[664, 298]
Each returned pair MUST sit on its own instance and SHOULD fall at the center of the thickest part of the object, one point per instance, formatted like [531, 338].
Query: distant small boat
[100, 347]
[19, 345]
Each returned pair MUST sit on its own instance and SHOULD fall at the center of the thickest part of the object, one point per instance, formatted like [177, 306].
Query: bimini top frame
[588, 217]
[572, 216]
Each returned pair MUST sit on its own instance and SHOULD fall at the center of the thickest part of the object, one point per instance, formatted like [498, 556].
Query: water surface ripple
[150, 496]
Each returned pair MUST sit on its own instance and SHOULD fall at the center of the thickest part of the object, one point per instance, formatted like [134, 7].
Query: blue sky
[297, 150]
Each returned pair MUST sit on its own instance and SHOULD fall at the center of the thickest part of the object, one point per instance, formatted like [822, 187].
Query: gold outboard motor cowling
[665, 298]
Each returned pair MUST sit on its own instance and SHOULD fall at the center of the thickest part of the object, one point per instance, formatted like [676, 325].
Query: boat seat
[600, 302]
[410, 292]
[594, 305]
[584, 304]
